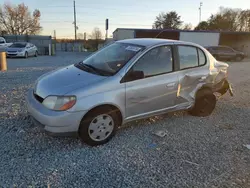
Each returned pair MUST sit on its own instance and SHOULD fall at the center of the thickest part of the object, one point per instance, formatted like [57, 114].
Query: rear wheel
[205, 103]
[36, 53]
[98, 126]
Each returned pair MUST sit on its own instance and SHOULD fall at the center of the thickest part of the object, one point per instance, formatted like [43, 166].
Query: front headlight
[20, 50]
[59, 103]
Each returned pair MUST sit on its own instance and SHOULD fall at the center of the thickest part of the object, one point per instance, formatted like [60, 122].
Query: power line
[93, 23]
[98, 7]
[95, 15]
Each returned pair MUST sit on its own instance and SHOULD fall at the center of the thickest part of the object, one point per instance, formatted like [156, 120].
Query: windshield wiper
[94, 69]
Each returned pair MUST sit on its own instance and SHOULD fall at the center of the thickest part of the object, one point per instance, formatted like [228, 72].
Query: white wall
[121, 34]
[201, 38]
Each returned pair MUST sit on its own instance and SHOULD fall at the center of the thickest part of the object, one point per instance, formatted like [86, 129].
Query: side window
[202, 57]
[229, 50]
[188, 57]
[155, 62]
[225, 49]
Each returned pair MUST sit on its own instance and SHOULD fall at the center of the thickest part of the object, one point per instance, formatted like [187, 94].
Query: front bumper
[15, 54]
[223, 87]
[54, 122]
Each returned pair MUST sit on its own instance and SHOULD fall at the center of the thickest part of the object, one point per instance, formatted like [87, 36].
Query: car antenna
[160, 33]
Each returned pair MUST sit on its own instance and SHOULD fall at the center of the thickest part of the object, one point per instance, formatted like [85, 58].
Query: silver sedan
[22, 49]
[125, 81]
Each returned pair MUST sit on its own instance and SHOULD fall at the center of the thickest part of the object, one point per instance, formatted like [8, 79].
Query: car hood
[64, 80]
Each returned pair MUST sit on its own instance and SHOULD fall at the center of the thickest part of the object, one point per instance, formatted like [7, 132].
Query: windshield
[113, 57]
[18, 45]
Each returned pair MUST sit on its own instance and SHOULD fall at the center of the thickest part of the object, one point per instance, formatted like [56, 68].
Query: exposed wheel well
[108, 107]
[202, 88]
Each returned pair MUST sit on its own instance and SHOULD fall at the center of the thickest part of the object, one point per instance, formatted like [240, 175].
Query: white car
[22, 49]
[3, 43]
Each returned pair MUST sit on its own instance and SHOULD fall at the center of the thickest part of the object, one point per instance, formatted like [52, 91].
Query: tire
[26, 55]
[238, 58]
[205, 103]
[36, 53]
[96, 133]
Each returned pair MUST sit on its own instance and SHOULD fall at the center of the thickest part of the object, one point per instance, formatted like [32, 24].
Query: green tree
[169, 20]
[244, 21]
[227, 19]
[204, 25]
[187, 26]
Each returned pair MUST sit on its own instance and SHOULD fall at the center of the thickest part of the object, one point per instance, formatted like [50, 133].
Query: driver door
[154, 89]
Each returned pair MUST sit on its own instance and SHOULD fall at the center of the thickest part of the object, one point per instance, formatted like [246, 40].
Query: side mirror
[133, 75]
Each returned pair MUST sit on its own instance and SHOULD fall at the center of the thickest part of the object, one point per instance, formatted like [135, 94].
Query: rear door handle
[171, 84]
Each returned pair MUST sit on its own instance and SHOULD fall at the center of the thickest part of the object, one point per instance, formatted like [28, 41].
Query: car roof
[217, 46]
[20, 43]
[148, 42]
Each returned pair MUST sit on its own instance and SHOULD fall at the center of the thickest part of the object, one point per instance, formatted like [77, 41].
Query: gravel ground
[196, 152]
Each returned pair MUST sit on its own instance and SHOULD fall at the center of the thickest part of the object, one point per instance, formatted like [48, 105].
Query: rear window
[191, 56]
[202, 57]
[188, 57]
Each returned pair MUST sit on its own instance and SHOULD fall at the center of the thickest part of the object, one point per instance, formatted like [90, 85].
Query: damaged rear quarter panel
[193, 79]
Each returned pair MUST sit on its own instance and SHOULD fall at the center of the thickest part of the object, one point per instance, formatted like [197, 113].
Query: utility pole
[75, 19]
[54, 34]
[106, 28]
[200, 11]
[85, 36]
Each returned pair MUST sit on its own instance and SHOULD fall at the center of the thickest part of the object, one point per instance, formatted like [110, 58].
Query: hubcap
[101, 127]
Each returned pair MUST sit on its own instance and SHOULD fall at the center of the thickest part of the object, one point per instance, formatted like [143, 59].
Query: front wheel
[239, 58]
[98, 126]
[26, 55]
[205, 103]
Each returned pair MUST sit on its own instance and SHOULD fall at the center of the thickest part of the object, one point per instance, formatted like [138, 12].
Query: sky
[58, 14]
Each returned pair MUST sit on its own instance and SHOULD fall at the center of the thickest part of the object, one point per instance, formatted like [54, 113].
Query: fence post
[53, 49]
[49, 49]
